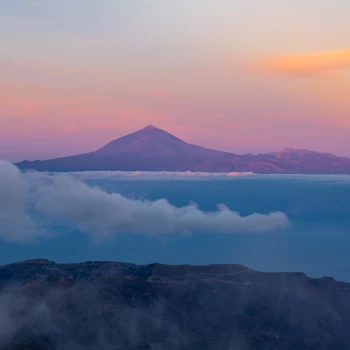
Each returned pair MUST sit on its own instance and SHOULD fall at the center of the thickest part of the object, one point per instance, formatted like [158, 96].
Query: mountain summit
[147, 141]
[153, 149]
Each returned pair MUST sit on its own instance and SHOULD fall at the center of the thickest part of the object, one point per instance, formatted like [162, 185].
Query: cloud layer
[30, 203]
[157, 175]
[195, 176]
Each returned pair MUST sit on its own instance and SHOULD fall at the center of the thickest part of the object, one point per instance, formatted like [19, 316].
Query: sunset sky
[241, 76]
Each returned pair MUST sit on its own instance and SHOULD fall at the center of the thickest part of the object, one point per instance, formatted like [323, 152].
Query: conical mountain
[151, 141]
[153, 149]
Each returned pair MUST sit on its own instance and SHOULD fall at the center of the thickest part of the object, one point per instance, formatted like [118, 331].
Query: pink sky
[236, 76]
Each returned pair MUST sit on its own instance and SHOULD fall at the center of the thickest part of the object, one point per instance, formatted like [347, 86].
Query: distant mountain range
[153, 149]
[113, 305]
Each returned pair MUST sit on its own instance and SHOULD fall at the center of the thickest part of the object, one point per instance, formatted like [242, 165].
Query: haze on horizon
[242, 76]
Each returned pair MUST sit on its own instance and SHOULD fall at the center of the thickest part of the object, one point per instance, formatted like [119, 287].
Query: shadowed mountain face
[153, 149]
[109, 305]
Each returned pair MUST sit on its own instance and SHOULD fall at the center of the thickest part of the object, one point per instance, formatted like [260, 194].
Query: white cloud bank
[30, 200]
[198, 175]
[157, 175]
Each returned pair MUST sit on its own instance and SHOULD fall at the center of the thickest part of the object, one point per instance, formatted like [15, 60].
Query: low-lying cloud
[31, 203]
[196, 176]
[15, 222]
[158, 175]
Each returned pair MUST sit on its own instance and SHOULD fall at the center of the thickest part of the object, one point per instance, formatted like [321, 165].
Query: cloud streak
[306, 64]
[157, 175]
[112, 176]
[33, 202]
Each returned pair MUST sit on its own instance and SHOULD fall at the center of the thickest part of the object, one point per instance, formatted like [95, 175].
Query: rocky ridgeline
[112, 305]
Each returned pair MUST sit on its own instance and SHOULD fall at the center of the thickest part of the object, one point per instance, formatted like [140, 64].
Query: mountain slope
[110, 305]
[153, 149]
[153, 142]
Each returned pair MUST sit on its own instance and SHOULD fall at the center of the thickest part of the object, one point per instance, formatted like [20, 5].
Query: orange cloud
[307, 63]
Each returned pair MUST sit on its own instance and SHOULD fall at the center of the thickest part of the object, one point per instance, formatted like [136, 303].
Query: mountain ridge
[115, 305]
[154, 149]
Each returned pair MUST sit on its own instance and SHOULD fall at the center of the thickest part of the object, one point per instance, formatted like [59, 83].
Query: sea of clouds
[198, 175]
[31, 203]
[157, 175]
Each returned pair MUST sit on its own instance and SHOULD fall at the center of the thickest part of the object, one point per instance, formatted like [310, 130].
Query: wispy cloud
[31, 202]
[304, 64]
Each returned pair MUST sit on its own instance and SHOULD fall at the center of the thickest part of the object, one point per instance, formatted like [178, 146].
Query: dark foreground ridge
[112, 305]
[153, 149]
